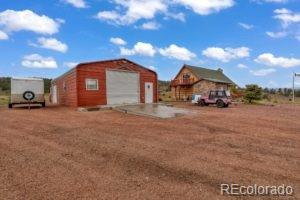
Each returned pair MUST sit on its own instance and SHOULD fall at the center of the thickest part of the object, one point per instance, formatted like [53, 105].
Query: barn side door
[148, 92]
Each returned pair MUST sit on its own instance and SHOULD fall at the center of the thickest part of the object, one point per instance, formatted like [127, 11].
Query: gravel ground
[59, 153]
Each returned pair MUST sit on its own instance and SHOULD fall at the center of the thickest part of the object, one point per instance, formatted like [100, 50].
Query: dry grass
[279, 99]
[165, 96]
[4, 99]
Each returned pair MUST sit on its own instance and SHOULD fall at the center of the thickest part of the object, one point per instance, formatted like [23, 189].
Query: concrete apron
[152, 110]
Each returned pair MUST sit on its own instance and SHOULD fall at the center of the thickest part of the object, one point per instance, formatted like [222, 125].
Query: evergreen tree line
[253, 93]
[282, 91]
[5, 84]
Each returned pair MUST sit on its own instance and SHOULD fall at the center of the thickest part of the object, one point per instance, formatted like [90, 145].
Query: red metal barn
[105, 83]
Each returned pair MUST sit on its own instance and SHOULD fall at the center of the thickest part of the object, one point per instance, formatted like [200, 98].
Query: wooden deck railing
[177, 82]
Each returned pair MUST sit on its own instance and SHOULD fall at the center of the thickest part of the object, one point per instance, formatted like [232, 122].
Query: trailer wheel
[10, 105]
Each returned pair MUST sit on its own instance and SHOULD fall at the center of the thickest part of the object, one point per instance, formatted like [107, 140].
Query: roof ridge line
[203, 68]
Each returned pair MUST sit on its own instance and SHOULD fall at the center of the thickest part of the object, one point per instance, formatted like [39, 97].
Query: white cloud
[110, 16]
[70, 64]
[118, 41]
[3, 35]
[150, 26]
[13, 21]
[271, 1]
[262, 72]
[297, 37]
[282, 11]
[77, 3]
[205, 7]
[140, 48]
[51, 43]
[270, 60]
[127, 52]
[276, 1]
[227, 54]
[152, 68]
[246, 26]
[242, 66]
[290, 22]
[134, 11]
[286, 17]
[179, 53]
[280, 34]
[130, 11]
[38, 61]
[178, 16]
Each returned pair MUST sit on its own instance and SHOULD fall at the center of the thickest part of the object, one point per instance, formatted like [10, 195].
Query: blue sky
[253, 41]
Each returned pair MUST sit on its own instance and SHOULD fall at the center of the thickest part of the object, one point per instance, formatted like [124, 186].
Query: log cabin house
[197, 80]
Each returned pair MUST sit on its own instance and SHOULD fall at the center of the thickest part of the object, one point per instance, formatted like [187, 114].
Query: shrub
[252, 92]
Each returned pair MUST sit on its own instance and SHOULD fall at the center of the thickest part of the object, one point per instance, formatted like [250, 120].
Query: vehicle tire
[10, 105]
[44, 104]
[220, 104]
[201, 103]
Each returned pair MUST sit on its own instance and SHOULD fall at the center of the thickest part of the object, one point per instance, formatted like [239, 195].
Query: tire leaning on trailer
[28, 95]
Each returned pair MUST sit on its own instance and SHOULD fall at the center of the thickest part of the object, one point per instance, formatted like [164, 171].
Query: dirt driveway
[59, 153]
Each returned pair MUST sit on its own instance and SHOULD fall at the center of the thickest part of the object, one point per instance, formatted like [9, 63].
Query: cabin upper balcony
[182, 82]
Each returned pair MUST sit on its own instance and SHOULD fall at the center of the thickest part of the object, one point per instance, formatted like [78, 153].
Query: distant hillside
[5, 84]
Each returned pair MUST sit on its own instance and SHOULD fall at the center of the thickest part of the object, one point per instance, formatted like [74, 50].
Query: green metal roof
[209, 74]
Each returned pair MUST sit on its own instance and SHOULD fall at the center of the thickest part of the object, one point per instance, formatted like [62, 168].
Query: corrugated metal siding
[68, 97]
[91, 97]
[77, 95]
[98, 71]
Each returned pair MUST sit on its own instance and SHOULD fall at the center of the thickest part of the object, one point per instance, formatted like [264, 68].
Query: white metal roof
[30, 79]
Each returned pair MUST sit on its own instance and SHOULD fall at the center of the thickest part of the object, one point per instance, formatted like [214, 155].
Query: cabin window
[186, 76]
[64, 86]
[91, 84]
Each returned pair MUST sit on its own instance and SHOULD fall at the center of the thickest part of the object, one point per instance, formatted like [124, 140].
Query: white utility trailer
[27, 91]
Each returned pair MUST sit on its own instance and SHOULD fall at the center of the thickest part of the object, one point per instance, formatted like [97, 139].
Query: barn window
[91, 84]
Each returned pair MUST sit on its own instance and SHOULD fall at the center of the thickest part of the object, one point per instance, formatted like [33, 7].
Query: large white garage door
[122, 87]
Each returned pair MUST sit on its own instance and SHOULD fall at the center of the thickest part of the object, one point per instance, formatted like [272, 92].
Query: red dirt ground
[59, 153]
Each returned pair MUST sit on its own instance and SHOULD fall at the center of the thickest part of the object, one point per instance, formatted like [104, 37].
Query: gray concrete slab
[153, 110]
